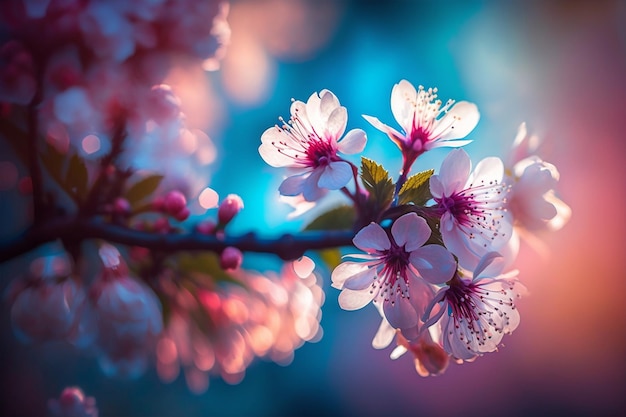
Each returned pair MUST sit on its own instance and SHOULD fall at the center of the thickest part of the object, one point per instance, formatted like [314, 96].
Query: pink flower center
[306, 147]
[393, 280]
[477, 209]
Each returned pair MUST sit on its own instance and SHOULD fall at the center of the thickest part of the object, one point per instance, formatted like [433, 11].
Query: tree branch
[287, 247]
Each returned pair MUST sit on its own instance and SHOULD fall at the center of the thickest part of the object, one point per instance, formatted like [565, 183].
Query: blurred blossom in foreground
[46, 302]
[220, 331]
[73, 403]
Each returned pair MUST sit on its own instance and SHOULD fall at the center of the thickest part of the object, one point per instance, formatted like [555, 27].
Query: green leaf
[77, 179]
[331, 257]
[143, 188]
[54, 162]
[377, 181]
[416, 189]
[339, 218]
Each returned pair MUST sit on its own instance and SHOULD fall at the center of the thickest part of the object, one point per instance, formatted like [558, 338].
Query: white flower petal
[345, 270]
[487, 171]
[458, 122]
[293, 185]
[335, 175]
[303, 267]
[397, 352]
[372, 238]
[354, 300]
[399, 312]
[403, 97]
[270, 153]
[354, 142]
[361, 280]
[384, 335]
[397, 137]
[336, 124]
[455, 170]
[310, 189]
[491, 258]
[436, 187]
[410, 230]
[434, 263]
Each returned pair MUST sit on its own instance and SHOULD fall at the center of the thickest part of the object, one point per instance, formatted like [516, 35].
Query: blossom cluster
[92, 66]
[437, 249]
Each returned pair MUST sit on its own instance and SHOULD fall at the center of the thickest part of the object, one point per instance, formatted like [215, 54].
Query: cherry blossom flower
[73, 403]
[46, 304]
[429, 357]
[127, 315]
[220, 331]
[309, 144]
[478, 310]
[393, 269]
[532, 200]
[474, 219]
[419, 114]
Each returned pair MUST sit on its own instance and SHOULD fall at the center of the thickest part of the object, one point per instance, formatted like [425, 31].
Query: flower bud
[73, 403]
[121, 206]
[229, 208]
[231, 258]
[174, 202]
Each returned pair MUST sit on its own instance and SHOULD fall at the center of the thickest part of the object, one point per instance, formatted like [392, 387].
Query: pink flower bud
[206, 227]
[121, 206]
[229, 208]
[73, 403]
[231, 258]
[182, 215]
[46, 304]
[174, 202]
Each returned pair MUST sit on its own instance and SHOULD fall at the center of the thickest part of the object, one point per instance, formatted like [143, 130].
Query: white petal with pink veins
[335, 175]
[354, 142]
[354, 300]
[372, 238]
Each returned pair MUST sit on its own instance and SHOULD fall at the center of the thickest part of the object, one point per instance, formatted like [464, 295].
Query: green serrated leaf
[339, 218]
[377, 181]
[76, 179]
[416, 189]
[142, 189]
[331, 257]
[204, 265]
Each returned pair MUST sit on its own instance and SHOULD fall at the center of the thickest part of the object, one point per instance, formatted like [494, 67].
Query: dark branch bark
[286, 246]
